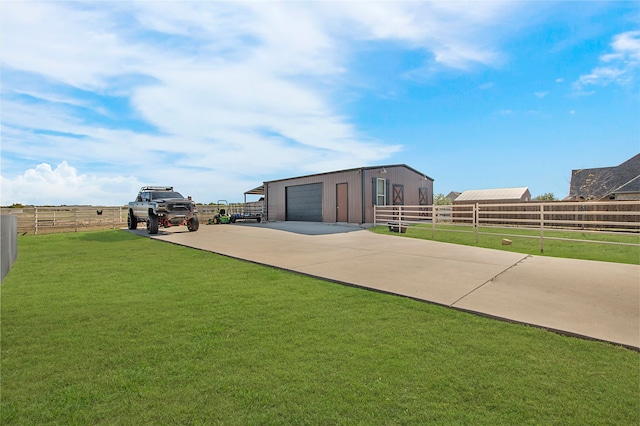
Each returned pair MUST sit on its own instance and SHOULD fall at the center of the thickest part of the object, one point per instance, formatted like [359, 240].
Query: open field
[49, 220]
[107, 327]
[530, 244]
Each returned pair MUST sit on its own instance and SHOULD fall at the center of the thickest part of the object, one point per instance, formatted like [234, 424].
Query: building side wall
[411, 181]
[628, 196]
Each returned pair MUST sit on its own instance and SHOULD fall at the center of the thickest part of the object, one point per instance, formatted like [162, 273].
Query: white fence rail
[616, 217]
[47, 220]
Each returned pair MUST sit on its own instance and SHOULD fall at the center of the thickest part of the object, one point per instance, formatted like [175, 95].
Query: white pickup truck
[162, 206]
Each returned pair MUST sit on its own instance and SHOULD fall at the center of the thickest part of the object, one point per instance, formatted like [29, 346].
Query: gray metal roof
[357, 168]
[256, 191]
[492, 194]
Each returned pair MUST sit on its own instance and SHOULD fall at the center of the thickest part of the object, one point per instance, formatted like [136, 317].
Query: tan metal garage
[345, 196]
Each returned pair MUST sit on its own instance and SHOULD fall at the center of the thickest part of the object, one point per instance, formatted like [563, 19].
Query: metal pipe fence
[48, 220]
[613, 218]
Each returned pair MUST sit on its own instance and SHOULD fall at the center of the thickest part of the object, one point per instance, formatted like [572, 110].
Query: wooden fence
[47, 220]
[615, 217]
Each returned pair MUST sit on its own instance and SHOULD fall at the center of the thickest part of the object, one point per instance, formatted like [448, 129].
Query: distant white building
[499, 195]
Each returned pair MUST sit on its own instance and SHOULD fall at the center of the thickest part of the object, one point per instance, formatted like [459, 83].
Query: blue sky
[100, 98]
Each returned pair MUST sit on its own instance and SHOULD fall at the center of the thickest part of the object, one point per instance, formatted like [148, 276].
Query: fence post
[476, 214]
[399, 219]
[375, 215]
[541, 228]
[433, 221]
[35, 221]
[75, 220]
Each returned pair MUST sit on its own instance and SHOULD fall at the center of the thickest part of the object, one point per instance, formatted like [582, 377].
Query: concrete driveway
[598, 300]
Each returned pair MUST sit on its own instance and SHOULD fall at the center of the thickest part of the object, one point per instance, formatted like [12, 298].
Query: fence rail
[49, 220]
[618, 217]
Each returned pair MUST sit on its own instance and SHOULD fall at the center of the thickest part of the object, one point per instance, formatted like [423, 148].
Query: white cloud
[617, 67]
[602, 76]
[455, 34]
[627, 44]
[75, 46]
[541, 95]
[44, 185]
[239, 92]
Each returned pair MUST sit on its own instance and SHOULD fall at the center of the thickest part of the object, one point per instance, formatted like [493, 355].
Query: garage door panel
[304, 202]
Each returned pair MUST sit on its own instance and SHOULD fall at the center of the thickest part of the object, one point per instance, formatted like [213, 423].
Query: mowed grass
[111, 328]
[587, 250]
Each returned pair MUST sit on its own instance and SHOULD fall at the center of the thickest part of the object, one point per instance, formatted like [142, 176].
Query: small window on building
[381, 193]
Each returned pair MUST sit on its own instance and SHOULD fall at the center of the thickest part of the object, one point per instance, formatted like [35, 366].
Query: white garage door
[304, 202]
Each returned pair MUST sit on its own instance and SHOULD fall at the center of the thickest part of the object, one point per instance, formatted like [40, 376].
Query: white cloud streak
[616, 67]
[238, 92]
[452, 32]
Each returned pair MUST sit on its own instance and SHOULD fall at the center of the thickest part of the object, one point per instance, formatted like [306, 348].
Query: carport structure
[345, 196]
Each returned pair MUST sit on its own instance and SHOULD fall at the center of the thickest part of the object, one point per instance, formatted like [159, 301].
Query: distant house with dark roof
[620, 182]
[452, 196]
[499, 195]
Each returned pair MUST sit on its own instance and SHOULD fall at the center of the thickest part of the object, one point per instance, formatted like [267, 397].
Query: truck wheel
[233, 219]
[132, 223]
[193, 224]
[152, 224]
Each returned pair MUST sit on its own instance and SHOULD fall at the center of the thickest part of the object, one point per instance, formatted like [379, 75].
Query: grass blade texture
[112, 328]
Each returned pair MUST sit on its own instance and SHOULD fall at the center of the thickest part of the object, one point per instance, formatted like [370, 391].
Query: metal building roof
[492, 194]
[256, 191]
[357, 168]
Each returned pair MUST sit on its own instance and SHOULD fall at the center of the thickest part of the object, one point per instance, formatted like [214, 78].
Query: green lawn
[111, 328]
[488, 238]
